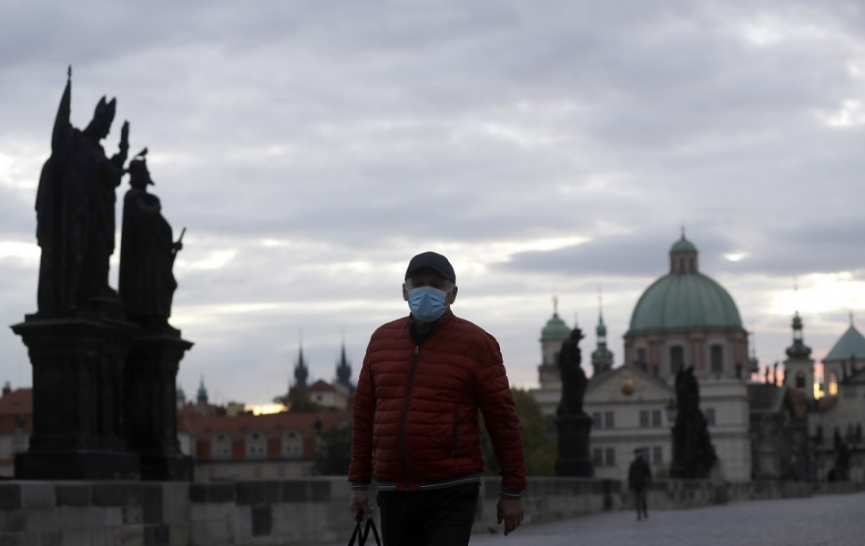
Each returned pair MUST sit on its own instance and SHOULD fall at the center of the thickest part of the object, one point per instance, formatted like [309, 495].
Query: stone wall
[305, 511]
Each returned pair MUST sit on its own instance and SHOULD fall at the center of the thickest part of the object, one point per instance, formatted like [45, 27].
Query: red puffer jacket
[416, 409]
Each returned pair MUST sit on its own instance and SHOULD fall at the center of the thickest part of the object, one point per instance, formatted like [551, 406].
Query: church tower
[201, 397]
[602, 357]
[301, 372]
[552, 336]
[343, 372]
[799, 366]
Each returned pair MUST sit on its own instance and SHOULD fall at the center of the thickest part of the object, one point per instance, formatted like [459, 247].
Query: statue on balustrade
[693, 453]
[147, 253]
[75, 209]
[573, 425]
[573, 377]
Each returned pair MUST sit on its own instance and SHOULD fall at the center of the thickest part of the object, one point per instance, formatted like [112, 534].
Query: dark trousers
[640, 501]
[441, 517]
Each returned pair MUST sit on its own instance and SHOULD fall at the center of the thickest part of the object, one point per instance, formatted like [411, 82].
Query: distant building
[329, 396]
[840, 415]
[683, 319]
[16, 425]
[256, 447]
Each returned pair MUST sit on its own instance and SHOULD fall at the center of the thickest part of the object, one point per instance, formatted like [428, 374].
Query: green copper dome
[851, 344]
[683, 245]
[684, 299]
[555, 329]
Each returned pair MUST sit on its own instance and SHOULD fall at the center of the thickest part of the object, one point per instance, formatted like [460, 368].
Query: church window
[656, 418]
[608, 420]
[677, 358]
[641, 358]
[644, 418]
[800, 380]
[833, 384]
[709, 413]
[610, 457]
[716, 357]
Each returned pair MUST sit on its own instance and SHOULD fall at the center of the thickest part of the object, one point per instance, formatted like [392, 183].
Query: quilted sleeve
[359, 473]
[500, 415]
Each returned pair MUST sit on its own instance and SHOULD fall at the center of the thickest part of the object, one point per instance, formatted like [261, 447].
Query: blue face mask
[427, 304]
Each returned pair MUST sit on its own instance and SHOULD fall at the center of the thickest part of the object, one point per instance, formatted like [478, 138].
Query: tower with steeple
[201, 397]
[602, 357]
[301, 372]
[799, 366]
[343, 371]
[552, 336]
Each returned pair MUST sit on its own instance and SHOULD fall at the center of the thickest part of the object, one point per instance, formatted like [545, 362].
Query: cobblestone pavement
[836, 520]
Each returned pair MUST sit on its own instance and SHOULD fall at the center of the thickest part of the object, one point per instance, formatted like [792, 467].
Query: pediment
[627, 383]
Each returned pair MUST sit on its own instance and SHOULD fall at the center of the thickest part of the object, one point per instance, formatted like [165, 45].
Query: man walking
[415, 429]
[639, 477]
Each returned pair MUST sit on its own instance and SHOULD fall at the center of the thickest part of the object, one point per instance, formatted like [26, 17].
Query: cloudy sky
[548, 148]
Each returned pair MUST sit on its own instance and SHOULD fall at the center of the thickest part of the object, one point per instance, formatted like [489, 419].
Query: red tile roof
[18, 402]
[271, 425]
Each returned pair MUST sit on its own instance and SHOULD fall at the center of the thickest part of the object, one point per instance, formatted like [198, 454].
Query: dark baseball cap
[434, 261]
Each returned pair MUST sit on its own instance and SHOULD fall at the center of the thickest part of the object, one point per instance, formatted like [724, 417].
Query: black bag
[362, 536]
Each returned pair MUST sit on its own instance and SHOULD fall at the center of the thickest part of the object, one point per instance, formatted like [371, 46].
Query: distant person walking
[639, 478]
[416, 430]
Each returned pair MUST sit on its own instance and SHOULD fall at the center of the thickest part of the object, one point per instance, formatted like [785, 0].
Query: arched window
[833, 384]
[800, 380]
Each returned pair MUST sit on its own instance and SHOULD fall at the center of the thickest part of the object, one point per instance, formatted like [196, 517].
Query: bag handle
[361, 537]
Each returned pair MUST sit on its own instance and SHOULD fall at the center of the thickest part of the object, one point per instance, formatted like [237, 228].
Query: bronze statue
[573, 377]
[147, 253]
[693, 453]
[75, 209]
[573, 425]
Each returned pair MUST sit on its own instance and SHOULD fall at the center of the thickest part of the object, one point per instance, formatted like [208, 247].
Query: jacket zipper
[404, 413]
[454, 437]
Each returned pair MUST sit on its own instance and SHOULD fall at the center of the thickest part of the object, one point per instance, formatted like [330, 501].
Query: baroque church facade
[759, 430]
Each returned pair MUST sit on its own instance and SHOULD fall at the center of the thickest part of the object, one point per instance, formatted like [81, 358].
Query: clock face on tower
[627, 386]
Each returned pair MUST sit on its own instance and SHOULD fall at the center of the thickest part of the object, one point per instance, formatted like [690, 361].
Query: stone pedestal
[574, 458]
[78, 368]
[150, 405]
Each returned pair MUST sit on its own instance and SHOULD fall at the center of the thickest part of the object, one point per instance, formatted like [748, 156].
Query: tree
[540, 449]
[333, 455]
[297, 400]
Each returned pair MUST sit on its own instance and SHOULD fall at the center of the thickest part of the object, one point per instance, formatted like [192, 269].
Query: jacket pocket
[454, 436]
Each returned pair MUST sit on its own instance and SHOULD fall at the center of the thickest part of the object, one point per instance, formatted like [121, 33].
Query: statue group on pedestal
[76, 225]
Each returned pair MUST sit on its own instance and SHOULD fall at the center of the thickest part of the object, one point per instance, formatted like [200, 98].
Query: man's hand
[511, 512]
[360, 504]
